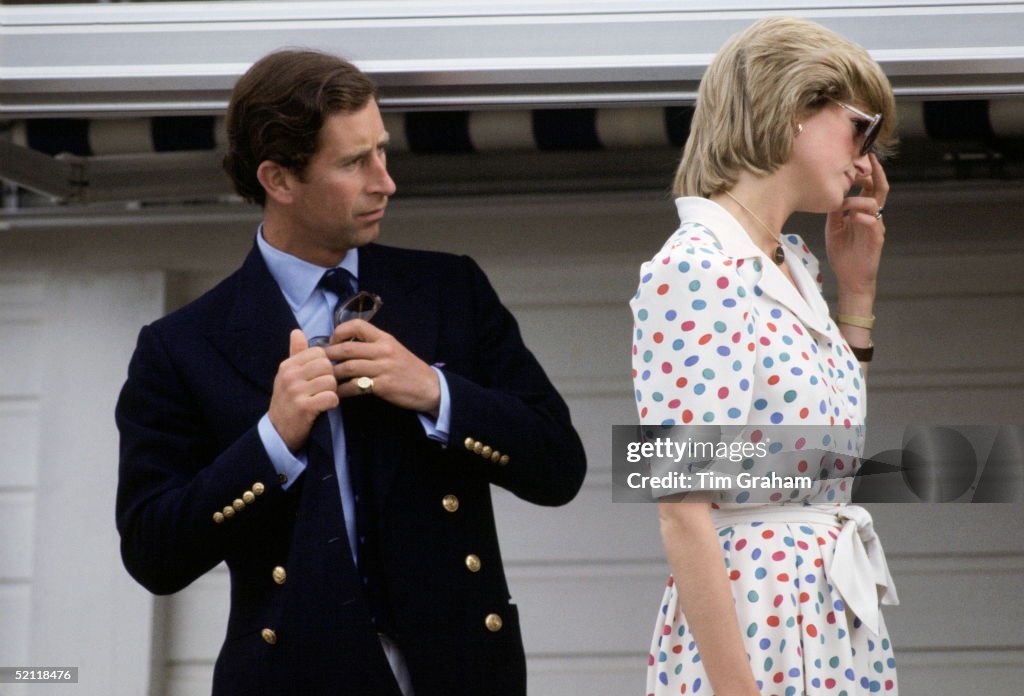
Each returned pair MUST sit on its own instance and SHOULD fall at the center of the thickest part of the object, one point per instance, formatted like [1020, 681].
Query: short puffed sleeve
[693, 346]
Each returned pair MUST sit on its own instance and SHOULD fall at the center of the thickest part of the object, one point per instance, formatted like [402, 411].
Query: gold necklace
[780, 254]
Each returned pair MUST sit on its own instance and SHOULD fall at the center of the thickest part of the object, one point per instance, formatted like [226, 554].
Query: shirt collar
[298, 279]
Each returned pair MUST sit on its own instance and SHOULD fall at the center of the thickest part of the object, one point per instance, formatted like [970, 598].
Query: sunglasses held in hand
[363, 305]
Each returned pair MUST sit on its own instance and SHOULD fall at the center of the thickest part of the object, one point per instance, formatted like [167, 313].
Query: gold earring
[799, 128]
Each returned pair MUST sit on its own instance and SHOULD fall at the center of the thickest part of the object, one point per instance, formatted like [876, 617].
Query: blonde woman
[731, 330]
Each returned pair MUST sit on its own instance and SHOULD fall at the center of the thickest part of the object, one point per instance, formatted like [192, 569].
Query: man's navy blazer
[197, 487]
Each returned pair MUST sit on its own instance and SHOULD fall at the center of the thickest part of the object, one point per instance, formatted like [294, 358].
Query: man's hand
[304, 388]
[398, 375]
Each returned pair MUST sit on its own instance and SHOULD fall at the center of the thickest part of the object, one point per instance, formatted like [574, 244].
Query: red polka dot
[802, 466]
[817, 562]
[889, 685]
[804, 412]
[677, 649]
[681, 382]
[736, 337]
[643, 412]
[831, 617]
[727, 262]
[782, 577]
[704, 339]
[804, 597]
[772, 621]
[723, 392]
[778, 600]
[671, 581]
[779, 556]
[778, 677]
[666, 367]
[765, 341]
[772, 327]
[663, 288]
[802, 545]
[751, 347]
[687, 416]
[674, 403]
[767, 534]
[741, 544]
[658, 337]
[796, 327]
[682, 689]
[723, 282]
[687, 325]
[773, 380]
[830, 683]
[650, 660]
[666, 630]
[734, 575]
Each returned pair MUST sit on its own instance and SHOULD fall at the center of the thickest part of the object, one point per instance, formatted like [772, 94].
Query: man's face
[340, 201]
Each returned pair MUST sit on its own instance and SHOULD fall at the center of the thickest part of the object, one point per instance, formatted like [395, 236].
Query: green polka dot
[642, 315]
[708, 417]
[783, 357]
[768, 662]
[648, 355]
[739, 291]
[695, 285]
[833, 662]
[878, 667]
[789, 396]
[751, 630]
[885, 644]
[708, 373]
[720, 326]
[753, 597]
[657, 396]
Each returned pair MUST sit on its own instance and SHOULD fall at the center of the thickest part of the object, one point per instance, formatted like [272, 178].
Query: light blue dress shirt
[312, 307]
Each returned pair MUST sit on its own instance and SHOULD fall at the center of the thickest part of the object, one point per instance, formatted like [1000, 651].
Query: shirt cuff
[285, 463]
[439, 430]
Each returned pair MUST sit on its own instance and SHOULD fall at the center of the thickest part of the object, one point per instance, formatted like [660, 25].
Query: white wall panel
[19, 435]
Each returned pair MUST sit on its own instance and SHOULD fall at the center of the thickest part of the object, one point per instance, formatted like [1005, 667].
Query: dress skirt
[801, 635]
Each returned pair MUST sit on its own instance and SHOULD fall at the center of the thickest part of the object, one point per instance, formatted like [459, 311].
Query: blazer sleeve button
[249, 497]
[229, 511]
[258, 488]
[279, 575]
[493, 623]
[469, 443]
[478, 447]
[473, 563]
[269, 637]
[238, 504]
[486, 452]
[450, 503]
[504, 460]
[218, 517]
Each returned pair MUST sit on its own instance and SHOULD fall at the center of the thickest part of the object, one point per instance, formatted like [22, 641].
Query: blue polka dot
[724, 351]
[699, 304]
[694, 359]
[760, 573]
[760, 404]
[646, 277]
[646, 375]
[744, 384]
[776, 313]
[765, 644]
[729, 302]
[776, 418]
[678, 344]
[734, 413]
[683, 267]
[755, 554]
[670, 315]
[642, 315]
[699, 389]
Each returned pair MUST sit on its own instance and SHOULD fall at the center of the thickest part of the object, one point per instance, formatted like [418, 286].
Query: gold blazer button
[279, 575]
[493, 623]
[450, 503]
[269, 637]
[473, 563]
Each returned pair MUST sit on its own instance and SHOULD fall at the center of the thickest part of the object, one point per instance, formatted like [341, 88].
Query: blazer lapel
[254, 339]
[410, 313]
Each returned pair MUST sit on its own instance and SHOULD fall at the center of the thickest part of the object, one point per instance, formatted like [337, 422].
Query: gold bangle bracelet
[853, 320]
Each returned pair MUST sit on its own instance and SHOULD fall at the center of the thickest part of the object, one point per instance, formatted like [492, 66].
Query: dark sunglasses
[867, 127]
[363, 305]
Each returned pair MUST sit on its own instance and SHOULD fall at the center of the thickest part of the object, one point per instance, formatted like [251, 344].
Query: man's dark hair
[278, 107]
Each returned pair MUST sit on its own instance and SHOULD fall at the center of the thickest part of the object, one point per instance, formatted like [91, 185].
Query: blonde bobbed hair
[757, 89]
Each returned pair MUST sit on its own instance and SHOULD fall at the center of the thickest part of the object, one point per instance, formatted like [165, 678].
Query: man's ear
[278, 181]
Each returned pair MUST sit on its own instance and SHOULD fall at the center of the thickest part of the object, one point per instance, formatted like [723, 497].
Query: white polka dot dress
[722, 337]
